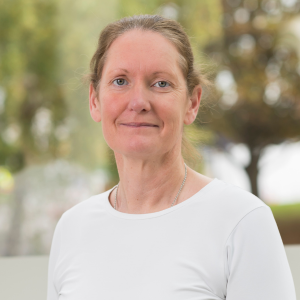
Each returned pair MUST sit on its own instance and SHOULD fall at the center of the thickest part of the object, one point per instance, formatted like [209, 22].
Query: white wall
[293, 255]
[23, 278]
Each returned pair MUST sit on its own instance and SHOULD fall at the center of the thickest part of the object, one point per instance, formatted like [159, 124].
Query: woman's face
[142, 98]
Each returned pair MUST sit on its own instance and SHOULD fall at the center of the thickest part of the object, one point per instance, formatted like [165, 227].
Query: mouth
[135, 124]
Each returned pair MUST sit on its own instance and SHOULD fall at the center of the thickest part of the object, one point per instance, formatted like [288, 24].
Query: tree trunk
[13, 238]
[252, 170]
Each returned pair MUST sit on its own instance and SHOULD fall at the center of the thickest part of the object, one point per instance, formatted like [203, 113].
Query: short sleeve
[52, 293]
[256, 264]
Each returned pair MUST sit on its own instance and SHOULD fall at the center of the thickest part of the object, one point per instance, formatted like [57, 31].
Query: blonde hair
[172, 31]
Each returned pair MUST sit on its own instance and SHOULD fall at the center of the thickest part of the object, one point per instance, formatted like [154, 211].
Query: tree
[258, 77]
[32, 102]
[32, 106]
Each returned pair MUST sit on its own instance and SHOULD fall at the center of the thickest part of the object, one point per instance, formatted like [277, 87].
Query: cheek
[172, 114]
[110, 108]
[109, 113]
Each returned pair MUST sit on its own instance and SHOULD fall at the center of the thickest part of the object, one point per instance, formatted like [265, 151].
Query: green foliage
[262, 65]
[32, 99]
[286, 212]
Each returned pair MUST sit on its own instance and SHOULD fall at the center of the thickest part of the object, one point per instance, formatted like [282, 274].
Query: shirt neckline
[123, 215]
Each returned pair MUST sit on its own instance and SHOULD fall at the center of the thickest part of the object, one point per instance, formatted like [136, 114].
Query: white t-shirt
[222, 243]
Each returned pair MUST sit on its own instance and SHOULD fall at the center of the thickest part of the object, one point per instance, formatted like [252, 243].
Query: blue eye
[161, 84]
[120, 81]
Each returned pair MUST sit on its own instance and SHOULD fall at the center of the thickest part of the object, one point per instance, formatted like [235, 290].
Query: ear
[94, 105]
[193, 105]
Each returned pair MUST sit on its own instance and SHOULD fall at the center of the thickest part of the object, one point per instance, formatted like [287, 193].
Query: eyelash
[167, 84]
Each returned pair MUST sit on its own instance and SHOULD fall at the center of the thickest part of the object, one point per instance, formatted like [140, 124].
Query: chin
[136, 148]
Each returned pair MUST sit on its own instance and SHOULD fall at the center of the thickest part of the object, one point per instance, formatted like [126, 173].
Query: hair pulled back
[170, 29]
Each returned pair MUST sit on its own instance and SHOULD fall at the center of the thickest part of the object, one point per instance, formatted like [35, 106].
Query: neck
[148, 185]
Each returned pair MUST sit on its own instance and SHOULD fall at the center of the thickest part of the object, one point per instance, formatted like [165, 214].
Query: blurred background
[52, 155]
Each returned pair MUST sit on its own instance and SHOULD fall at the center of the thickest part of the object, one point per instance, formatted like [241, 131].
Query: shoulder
[72, 222]
[232, 196]
[230, 203]
[74, 215]
[225, 196]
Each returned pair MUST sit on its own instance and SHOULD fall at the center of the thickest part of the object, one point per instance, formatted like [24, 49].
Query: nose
[139, 101]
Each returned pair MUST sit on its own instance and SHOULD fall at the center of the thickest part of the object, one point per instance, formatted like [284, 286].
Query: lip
[138, 124]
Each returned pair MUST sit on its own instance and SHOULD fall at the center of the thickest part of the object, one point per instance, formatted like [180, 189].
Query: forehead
[144, 51]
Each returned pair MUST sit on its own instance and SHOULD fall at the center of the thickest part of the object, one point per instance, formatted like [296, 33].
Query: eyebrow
[172, 76]
[155, 73]
[160, 72]
[120, 69]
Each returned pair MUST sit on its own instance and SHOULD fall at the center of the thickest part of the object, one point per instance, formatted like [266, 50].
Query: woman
[165, 231]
